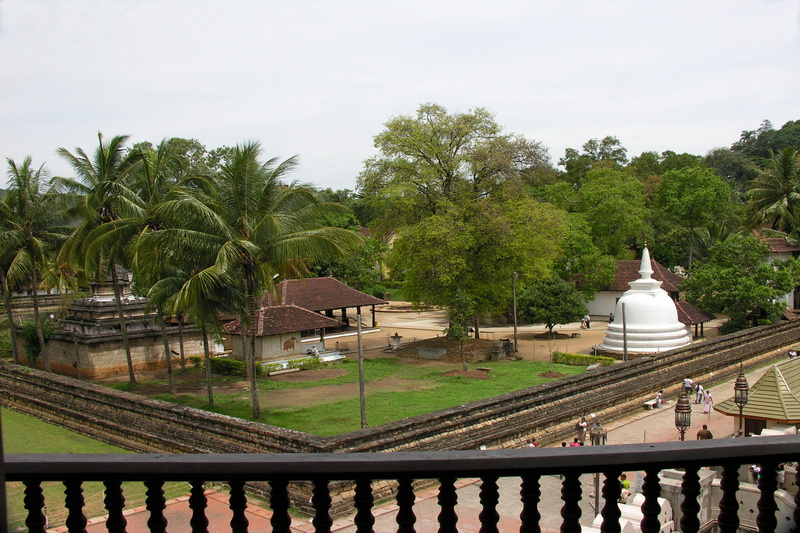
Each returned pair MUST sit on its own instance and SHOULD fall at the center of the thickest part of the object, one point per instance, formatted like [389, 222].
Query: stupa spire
[646, 266]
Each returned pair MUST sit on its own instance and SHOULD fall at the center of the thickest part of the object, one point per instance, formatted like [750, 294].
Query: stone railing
[687, 496]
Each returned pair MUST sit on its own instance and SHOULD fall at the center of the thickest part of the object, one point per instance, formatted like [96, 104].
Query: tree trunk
[123, 328]
[207, 356]
[252, 308]
[42, 347]
[10, 313]
[163, 327]
[180, 340]
[477, 326]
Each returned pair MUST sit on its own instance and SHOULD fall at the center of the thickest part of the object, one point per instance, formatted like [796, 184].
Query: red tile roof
[690, 314]
[628, 270]
[277, 319]
[778, 245]
[322, 294]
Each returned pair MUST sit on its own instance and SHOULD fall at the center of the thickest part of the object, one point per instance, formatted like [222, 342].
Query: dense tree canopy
[612, 201]
[736, 279]
[434, 159]
[607, 150]
[691, 198]
[465, 257]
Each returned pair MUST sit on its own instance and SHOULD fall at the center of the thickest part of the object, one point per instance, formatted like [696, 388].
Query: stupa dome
[651, 318]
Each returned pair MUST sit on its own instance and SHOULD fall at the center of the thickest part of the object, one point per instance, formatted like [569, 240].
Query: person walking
[704, 433]
[708, 403]
[699, 396]
[688, 386]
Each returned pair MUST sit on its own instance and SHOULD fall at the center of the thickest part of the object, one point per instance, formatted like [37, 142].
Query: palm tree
[31, 231]
[774, 196]
[102, 186]
[250, 228]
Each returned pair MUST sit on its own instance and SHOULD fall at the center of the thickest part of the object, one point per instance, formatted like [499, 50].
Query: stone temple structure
[650, 317]
[88, 343]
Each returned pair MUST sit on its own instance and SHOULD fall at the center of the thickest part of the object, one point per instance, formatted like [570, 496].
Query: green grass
[340, 416]
[25, 434]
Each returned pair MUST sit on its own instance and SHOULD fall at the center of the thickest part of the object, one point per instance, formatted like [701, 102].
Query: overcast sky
[320, 78]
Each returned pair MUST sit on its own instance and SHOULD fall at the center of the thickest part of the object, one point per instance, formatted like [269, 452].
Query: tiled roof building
[278, 319]
[324, 295]
[774, 399]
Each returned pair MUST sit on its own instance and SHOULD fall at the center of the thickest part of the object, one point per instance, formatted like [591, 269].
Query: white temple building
[650, 317]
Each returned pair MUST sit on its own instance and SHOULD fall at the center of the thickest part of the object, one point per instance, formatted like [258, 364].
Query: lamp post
[741, 390]
[514, 290]
[683, 415]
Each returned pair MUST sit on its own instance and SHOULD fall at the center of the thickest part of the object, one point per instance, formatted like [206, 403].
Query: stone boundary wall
[548, 411]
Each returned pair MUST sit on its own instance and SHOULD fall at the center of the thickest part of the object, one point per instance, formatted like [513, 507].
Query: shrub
[31, 340]
[196, 360]
[579, 359]
[307, 364]
[231, 367]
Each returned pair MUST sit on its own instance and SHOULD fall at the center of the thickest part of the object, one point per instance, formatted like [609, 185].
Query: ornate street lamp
[741, 390]
[683, 415]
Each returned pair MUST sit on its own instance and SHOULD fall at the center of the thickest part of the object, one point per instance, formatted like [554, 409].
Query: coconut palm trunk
[180, 341]
[10, 316]
[123, 327]
[162, 325]
[207, 356]
[43, 352]
[252, 305]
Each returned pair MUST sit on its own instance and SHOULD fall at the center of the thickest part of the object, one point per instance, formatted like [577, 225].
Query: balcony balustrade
[442, 468]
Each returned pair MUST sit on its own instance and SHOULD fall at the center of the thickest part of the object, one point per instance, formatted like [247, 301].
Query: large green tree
[464, 258]
[612, 201]
[551, 301]
[738, 280]
[691, 198]
[581, 262]
[607, 152]
[433, 159]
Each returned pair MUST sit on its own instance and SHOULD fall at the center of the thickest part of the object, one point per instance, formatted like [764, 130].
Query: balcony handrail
[417, 465]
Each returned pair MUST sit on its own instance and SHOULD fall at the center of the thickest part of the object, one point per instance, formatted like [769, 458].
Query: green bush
[579, 359]
[307, 364]
[270, 368]
[31, 340]
[196, 360]
[231, 367]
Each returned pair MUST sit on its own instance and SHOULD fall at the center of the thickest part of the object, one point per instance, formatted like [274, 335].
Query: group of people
[700, 394]
[586, 322]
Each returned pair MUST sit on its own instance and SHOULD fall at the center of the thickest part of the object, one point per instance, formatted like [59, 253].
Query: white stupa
[651, 318]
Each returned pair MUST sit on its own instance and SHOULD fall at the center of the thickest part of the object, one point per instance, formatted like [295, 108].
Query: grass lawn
[25, 434]
[325, 414]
